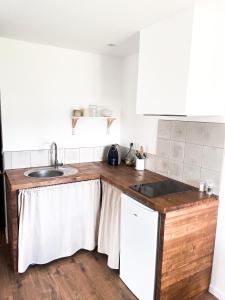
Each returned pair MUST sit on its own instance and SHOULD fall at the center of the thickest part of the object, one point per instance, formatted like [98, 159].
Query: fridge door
[139, 231]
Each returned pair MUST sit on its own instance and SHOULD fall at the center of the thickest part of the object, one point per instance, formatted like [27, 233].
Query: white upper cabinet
[182, 63]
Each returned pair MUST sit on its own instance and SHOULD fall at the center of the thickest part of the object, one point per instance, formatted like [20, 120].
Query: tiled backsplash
[36, 158]
[186, 151]
[189, 151]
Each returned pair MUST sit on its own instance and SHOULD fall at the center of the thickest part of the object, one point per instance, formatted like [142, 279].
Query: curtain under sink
[56, 221]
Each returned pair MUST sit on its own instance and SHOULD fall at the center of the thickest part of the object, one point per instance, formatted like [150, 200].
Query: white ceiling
[87, 25]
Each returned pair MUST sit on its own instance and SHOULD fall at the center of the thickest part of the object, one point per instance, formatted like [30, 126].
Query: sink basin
[45, 173]
[50, 172]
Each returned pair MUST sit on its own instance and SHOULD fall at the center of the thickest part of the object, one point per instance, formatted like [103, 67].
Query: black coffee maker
[113, 155]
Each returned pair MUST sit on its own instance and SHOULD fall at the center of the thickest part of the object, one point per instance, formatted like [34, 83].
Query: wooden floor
[84, 276]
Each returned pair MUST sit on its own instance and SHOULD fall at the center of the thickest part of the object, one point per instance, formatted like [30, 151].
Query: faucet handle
[57, 164]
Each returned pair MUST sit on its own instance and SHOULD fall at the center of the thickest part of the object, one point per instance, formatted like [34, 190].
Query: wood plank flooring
[84, 276]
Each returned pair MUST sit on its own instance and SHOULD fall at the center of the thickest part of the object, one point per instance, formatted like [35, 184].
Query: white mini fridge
[139, 234]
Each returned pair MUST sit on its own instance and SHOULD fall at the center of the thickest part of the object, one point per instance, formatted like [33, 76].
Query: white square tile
[150, 162]
[179, 131]
[191, 175]
[7, 160]
[197, 133]
[39, 158]
[86, 154]
[177, 150]
[215, 135]
[163, 147]
[20, 159]
[211, 176]
[100, 153]
[193, 154]
[175, 170]
[164, 129]
[72, 156]
[212, 158]
[162, 166]
[61, 156]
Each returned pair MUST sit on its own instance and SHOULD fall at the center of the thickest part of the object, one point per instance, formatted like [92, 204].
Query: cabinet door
[163, 66]
[205, 91]
[139, 230]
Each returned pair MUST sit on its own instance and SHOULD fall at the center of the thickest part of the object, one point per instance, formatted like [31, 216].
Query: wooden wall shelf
[109, 120]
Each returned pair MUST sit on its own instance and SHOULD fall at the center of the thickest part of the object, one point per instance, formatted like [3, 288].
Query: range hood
[181, 69]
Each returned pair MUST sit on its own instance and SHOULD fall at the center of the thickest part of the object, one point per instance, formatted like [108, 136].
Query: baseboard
[217, 293]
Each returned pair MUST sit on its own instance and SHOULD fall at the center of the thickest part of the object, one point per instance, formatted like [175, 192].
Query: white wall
[142, 130]
[41, 85]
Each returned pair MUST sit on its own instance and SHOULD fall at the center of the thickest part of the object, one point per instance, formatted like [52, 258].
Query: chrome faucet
[55, 162]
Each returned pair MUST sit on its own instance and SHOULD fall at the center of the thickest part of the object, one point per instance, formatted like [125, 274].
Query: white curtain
[109, 227]
[56, 221]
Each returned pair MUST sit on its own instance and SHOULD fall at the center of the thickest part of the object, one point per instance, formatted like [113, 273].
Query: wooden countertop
[120, 176]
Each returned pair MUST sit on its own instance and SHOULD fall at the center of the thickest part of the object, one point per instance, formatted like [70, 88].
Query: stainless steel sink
[50, 172]
[45, 173]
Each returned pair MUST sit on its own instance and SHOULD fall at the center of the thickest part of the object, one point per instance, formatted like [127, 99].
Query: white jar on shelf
[92, 110]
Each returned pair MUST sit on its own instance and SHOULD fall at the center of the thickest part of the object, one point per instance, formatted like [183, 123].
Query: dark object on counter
[129, 158]
[161, 188]
[113, 155]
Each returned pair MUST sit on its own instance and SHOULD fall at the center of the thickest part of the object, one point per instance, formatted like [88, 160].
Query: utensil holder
[140, 164]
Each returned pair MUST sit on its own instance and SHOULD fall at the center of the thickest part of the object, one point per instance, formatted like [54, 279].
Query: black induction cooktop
[161, 188]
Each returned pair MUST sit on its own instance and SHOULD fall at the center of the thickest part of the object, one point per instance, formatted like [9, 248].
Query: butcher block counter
[120, 176]
[187, 225]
